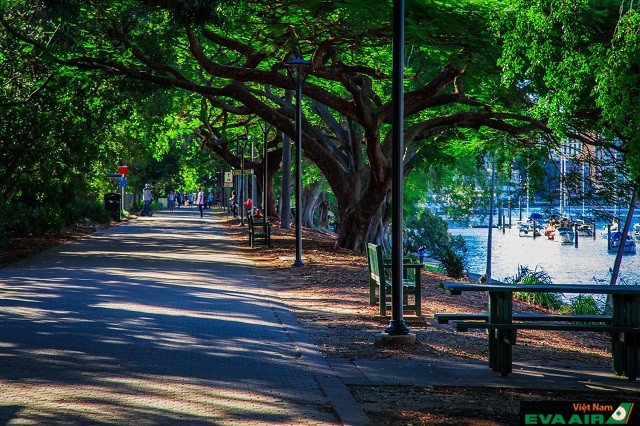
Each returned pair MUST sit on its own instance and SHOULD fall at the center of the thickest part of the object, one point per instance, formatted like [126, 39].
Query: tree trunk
[355, 220]
[285, 191]
[323, 211]
[380, 223]
[310, 196]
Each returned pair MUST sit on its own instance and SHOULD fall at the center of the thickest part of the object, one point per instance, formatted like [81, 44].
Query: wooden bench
[259, 232]
[446, 318]
[623, 325]
[380, 282]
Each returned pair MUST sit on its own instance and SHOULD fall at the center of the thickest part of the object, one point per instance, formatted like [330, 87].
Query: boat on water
[564, 235]
[526, 229]
[584, 229]
[605, 230]
[550, 230]
[629, 243]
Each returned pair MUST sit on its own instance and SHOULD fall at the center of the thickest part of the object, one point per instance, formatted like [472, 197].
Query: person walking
[171, 199]
[233, 204]
[190, 199]
[200, 201]
[422, 253]
[146, 198]
[209, 201]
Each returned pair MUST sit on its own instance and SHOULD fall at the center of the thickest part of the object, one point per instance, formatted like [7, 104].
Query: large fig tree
[233, 55]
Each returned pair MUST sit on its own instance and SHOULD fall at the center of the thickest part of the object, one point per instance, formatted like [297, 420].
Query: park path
[154, 321]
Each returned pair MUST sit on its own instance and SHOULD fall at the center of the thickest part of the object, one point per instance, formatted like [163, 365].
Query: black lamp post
[298, 70]
[397, 325]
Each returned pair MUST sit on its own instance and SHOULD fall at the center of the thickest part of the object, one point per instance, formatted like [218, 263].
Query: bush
[82, 209]
[584, 305]
[453, 257]
[47, 219]
[552, 301]
[18, 219]
[428, 229]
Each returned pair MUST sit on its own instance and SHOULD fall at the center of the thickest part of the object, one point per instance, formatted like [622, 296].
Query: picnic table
[623, 326]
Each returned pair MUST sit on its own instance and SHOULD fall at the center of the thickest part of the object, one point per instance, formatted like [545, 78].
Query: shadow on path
[155, 321]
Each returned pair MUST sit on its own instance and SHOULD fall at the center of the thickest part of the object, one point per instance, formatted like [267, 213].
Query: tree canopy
[227, 62]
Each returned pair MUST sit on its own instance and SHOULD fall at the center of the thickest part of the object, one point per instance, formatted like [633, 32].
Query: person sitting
[257, 215]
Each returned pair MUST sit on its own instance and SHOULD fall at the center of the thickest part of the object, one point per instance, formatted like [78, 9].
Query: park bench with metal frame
[380, 282]
[623, 326]
[259, 232]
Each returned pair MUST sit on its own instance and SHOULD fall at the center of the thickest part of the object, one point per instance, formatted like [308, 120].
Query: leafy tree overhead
[578, 62]
[234, 58]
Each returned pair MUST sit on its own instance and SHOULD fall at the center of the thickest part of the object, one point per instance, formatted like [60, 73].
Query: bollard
[575, 235]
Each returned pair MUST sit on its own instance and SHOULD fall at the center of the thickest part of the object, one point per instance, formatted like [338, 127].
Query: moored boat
[584, 229]
[614, 228]
[526, 229]
[629, 243]
[564, 235]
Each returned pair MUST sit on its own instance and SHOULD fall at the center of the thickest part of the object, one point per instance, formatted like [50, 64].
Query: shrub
[47, 218]
[428, 229]
[81, 209]
[552, 301]
[453, 259]
[18, 219]
[584, 305]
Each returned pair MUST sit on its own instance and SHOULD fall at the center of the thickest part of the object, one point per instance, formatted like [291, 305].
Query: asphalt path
[157, 321]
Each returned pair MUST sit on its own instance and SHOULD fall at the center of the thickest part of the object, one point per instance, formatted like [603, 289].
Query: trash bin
[112, 205]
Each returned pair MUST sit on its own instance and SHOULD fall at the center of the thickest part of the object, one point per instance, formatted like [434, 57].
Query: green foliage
[429, 229]
[136, 208]
[583, 305]
[578, 64]
[552, 301]
[82, 209]
[18, 219]
[453, 260]
[617, 83]
[426, 228]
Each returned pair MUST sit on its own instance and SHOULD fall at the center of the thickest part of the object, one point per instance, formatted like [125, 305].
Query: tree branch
[31, 96]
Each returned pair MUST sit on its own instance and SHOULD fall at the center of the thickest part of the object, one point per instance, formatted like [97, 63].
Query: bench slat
[463, 326]
[446, 318]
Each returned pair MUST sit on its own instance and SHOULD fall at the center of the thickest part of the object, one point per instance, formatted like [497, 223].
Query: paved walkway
[157, 321]
[160, 321]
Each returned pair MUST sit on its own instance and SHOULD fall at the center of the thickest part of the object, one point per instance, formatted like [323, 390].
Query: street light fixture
[298, 70]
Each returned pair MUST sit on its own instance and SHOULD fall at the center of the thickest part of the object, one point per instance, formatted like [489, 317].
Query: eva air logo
[577, 413]
[621, 414]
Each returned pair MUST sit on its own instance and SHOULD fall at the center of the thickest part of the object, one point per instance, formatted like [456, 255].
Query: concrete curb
[344, 404]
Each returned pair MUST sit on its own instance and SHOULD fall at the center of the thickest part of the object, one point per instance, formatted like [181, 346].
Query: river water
[589, 263]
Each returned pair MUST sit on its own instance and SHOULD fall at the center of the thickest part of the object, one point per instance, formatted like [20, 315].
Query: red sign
[123, 170]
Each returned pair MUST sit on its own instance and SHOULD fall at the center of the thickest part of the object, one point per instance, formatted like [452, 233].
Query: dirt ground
[329, 297]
